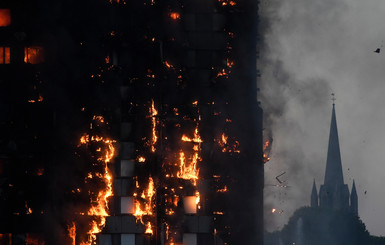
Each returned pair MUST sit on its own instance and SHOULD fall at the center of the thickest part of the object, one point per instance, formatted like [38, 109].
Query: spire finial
[333, 98]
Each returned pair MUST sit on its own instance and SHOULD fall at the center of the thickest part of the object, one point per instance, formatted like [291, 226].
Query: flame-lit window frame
[4, 58]
[34, 60]
[5, 13]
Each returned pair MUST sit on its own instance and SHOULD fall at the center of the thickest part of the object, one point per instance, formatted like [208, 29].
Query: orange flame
[72, 233]
[99, 206]
[154, 113]
[149, 229]
[175, 15]
[28, 209]
[266, 151]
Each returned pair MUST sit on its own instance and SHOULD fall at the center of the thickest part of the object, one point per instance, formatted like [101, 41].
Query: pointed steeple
[354, 199]
[333, 173]
[314, 196]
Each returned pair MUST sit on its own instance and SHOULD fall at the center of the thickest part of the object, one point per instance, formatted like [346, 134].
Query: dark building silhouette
[334, 193]
[129, 70]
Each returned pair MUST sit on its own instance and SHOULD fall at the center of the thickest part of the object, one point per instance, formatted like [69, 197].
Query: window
[33, 55]
[5, 17]
[5, 55]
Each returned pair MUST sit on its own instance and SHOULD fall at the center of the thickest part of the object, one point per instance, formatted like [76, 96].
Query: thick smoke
[312, 49]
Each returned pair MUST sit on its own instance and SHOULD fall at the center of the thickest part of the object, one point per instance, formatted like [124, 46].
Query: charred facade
[130, 122]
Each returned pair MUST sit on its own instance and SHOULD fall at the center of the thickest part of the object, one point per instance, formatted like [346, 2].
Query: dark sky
[312, 49]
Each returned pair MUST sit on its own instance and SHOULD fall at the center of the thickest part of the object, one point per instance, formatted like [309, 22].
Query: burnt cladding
[172, 85]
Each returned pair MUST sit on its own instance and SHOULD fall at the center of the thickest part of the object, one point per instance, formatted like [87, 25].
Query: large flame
[99, 204]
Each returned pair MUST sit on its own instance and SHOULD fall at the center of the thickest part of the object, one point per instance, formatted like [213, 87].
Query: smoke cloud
[310, 50]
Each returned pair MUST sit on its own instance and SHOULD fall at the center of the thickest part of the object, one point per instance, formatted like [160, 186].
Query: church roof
[333, 173]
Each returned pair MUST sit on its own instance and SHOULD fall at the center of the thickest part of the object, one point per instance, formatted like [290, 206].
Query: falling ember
[99, 204]
[72, 233]
[273, 210]
[154, 114]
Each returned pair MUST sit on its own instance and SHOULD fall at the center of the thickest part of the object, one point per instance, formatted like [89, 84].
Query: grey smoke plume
[311, 49]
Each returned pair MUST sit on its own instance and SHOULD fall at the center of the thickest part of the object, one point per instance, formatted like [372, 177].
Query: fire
[230, 63]
[72, 233]
[198, 199]
[141, 159]
[33, 55]
[154, 114]
[222, 73]
[34, 239]
[175, 15]
[273, 210]
[147, 195]
[224, 139]
[196, 139]
[227, 146]
[5, 17]
[227, 2]
[168, 65]
[266, 151]
[28, 209]
[224, 189]
[99, 204]
[188, 171]
[149, 229]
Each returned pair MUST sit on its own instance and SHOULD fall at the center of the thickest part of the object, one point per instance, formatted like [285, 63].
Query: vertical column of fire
[98, 182]
[145, 189]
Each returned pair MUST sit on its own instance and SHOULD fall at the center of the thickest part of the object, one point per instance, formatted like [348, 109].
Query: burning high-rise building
[150, 128]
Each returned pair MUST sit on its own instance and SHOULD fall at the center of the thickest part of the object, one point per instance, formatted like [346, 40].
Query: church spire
[354, 199]
[333, 173]
[314, 196]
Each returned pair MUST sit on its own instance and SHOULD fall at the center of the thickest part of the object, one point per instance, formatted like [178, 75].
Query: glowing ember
[224, 189]
[141, 159]
[227, 145]
[273, 210]
[227, 2]
[28, 209]
[175, 15]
